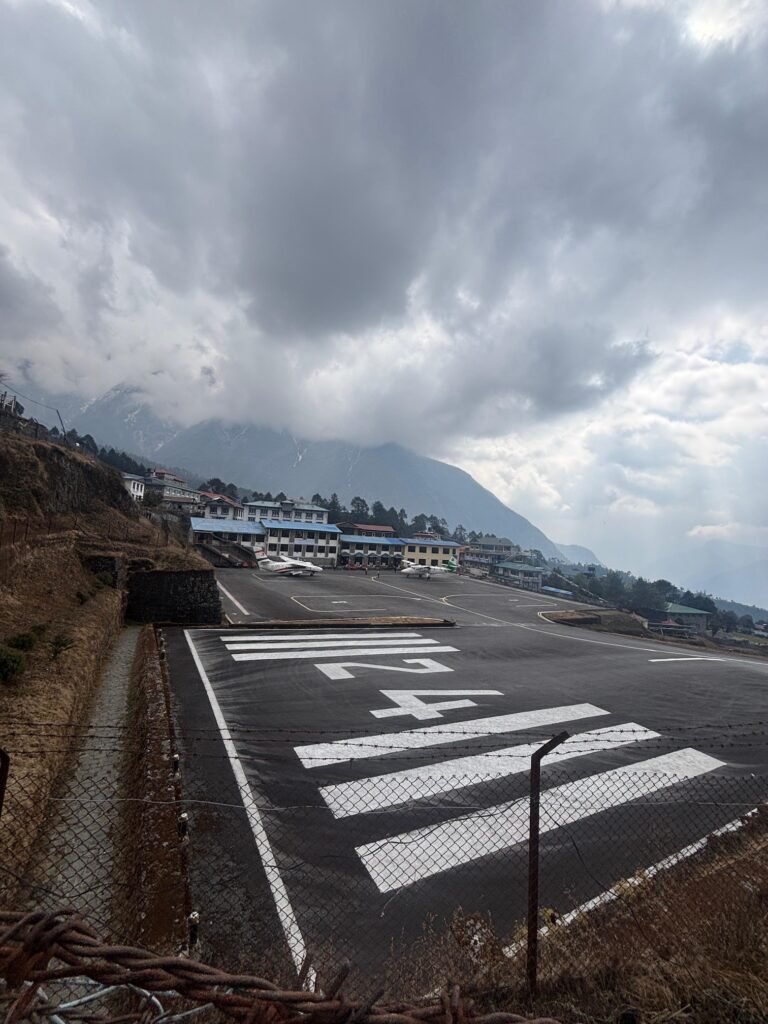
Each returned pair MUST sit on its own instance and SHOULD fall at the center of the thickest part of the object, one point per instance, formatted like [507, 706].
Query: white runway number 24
[408, 702]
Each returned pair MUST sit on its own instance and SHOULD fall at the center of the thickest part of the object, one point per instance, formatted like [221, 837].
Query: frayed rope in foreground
[40, 947]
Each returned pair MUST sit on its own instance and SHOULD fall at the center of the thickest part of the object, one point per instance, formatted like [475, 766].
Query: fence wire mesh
[413, 876]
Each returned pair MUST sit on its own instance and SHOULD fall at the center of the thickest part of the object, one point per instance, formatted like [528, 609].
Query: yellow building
[428, 549]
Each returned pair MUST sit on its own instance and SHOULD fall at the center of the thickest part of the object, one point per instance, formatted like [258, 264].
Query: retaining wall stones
[183, 596]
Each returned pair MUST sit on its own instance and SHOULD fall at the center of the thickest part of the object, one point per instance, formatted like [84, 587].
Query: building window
[321, 549]
[446, 551]
[273, 547]
[422, 561]
[433, 562]
[422, 551]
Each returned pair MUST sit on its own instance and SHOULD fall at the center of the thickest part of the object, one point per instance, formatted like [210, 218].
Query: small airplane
[428, 571]
[284, 566]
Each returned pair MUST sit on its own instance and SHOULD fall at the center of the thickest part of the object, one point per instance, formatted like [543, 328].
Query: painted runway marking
[319, 636]
[319, 645]
[233, 599]
[380, 791]
[408, 702]
[337, 652]
[283, 905]
[689, 658]
[315, 755]
[408, 857]
[639, 879]
[340, 669]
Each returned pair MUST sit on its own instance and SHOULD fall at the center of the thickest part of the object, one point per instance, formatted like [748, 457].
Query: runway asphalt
[375, 799]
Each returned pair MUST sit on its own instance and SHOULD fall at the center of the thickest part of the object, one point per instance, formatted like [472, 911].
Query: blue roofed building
[376, 550]
[311, 542]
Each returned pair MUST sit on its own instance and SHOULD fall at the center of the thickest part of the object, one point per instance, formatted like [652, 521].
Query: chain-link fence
[413, 876]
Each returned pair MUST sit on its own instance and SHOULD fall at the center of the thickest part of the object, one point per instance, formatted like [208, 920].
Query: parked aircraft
[283, 565]
[428, 571]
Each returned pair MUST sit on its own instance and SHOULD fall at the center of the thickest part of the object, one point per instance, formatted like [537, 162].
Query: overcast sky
[530, 238]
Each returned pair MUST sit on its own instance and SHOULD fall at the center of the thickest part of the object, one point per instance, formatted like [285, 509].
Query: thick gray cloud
[416, 221]
[26, 305]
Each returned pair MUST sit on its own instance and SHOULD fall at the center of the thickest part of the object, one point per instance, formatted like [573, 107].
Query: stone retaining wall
[183, 596]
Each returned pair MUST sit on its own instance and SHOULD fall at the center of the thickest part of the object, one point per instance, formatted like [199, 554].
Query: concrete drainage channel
[75, 862]
[111, 841]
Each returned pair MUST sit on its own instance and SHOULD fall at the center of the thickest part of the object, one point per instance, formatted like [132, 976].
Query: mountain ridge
[259, 457]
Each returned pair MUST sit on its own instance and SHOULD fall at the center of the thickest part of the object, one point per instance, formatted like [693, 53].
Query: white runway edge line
[316, 755]
[372, 794]
[319, 645]
[403, 859]
[337, 652]
[283, 906]
[234, 600]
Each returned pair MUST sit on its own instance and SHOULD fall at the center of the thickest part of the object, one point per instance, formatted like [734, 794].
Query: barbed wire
[761, 725]
[33, 945]
[422, 755]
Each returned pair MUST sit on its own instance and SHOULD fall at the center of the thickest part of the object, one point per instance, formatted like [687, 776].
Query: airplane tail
[260, 554]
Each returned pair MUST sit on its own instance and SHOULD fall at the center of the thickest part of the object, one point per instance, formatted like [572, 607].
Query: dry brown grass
[689, 945]
[37, 712]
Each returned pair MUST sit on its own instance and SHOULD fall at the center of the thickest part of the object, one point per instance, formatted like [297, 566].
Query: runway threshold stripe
[403, 859]
[318, 645]
[315, 755]
[337, 652]
[373, 794]
[318, 636]
[283, 906]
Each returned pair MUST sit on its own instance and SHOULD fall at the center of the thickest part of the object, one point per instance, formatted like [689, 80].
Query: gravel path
[76, 866]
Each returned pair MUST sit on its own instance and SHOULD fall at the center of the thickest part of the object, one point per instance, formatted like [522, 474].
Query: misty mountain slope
[269, 460]
[121, 419]
[579, 554]
[734, 571]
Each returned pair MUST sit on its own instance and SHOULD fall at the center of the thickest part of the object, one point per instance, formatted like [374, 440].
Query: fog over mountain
[268, 460]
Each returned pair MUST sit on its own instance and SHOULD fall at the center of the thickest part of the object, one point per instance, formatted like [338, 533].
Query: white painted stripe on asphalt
[314, 755]
[318, 645]
[350, 633]
[642, 876]
[283, 905]
[234, 600]
[379, 791]
[406, 858]
[656, 660]
[337, 652]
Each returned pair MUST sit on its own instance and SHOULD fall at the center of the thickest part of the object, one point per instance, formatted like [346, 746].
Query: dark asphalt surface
[326, 866]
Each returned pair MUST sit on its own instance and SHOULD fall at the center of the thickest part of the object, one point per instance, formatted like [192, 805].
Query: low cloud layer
[464, 227]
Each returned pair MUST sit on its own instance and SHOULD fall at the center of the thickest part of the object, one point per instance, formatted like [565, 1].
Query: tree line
[637, 594]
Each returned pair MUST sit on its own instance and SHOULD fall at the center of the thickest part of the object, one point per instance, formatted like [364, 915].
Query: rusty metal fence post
[533, 860]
